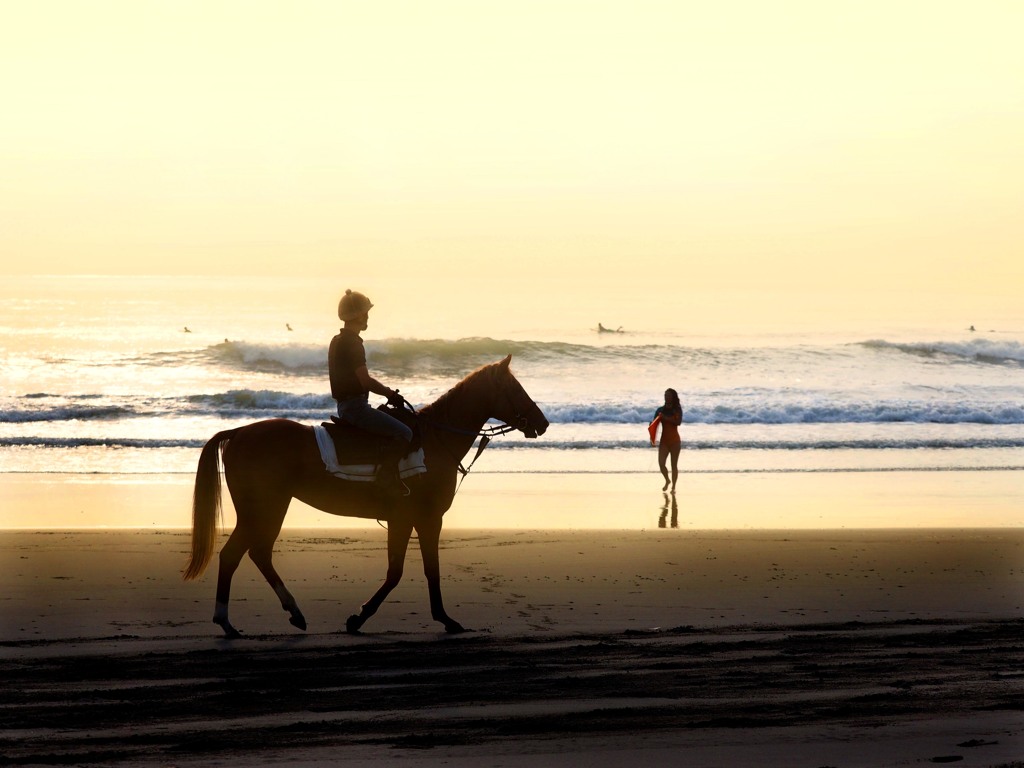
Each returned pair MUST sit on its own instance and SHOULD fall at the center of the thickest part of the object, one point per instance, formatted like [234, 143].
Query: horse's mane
[473, 380]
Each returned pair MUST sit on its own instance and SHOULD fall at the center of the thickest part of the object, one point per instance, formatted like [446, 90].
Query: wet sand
[701, 648]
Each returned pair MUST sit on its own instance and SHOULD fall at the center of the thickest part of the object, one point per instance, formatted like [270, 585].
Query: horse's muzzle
[531, 431]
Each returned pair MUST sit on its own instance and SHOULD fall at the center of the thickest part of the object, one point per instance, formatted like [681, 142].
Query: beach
[802, 220]
[689, 645]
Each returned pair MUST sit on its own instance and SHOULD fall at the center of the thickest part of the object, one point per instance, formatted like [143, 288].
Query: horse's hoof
[353, 625]
[230, 633]
[454, 628]
[298, 620]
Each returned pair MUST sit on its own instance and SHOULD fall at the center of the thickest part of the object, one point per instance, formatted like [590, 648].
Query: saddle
[353, 445]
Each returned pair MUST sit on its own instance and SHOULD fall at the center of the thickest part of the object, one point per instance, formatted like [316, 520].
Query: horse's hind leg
[230, 557]
[256, 531]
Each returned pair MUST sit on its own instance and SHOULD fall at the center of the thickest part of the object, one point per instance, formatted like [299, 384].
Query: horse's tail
[206, 506]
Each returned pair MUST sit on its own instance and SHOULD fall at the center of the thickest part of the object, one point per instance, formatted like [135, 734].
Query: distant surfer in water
[602, 329]
[669, 417]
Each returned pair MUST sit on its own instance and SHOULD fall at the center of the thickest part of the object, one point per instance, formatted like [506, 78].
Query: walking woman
[670, 416]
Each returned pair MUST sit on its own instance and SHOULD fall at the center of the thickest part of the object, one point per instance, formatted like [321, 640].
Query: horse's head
[514, 406]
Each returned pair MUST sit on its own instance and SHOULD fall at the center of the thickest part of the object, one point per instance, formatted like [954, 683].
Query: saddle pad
[413, 464]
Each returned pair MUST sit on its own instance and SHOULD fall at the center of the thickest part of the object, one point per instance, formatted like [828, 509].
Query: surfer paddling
[668, 417]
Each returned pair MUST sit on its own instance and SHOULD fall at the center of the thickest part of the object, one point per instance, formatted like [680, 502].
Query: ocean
[130, 376]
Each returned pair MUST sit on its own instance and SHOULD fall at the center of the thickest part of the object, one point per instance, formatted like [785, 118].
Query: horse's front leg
[398, 543]
[430, 537]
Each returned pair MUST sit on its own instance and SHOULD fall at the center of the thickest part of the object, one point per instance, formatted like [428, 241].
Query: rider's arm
[370, 383]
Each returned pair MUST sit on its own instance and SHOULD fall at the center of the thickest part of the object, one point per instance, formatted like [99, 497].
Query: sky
[860, 157]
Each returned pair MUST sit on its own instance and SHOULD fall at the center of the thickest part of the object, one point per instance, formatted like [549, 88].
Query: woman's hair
[675, 398]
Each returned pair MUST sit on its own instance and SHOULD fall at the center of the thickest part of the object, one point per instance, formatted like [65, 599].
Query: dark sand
[809, 648]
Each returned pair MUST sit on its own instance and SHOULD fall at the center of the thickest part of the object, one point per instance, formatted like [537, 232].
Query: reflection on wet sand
[669, 503]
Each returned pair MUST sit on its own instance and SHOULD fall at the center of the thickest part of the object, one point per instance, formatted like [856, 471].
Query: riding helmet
[352, 305]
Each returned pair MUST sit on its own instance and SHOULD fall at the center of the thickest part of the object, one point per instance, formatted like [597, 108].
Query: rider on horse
[351, 383]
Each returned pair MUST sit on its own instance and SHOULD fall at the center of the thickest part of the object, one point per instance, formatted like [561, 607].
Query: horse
[270, 462]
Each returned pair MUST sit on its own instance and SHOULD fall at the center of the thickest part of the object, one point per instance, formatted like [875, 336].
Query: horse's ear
[504, 363]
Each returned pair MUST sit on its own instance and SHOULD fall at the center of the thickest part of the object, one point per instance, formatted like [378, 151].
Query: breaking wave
[404, 356]
[726, 408]
[976, 350]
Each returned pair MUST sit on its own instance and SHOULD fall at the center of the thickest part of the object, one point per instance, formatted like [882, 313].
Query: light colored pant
[357, 412]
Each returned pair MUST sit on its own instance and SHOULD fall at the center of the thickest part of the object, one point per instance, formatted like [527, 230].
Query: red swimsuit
[669, 431]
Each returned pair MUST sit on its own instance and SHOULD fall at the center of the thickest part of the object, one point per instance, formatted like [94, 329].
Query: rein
[484, 434]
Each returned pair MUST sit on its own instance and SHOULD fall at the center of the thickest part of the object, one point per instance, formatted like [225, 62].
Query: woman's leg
[674, 453]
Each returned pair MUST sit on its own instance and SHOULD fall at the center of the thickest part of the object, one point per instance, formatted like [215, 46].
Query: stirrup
[398, 489]
[389, 480]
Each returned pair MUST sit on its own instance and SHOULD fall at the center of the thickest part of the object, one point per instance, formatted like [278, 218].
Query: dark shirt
[346, 355]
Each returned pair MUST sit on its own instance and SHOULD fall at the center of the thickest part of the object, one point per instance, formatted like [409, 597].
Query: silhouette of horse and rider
[268, 463]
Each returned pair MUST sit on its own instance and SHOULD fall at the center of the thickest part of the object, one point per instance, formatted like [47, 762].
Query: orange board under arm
[653, 429]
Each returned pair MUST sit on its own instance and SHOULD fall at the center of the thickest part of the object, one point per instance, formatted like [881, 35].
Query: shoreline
[604, 501]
